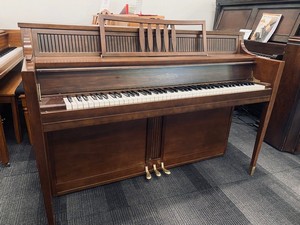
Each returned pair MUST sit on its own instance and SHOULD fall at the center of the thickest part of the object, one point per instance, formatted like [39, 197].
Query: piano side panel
[269, 71]
[137, 77]
[89, 156]
[194, 136]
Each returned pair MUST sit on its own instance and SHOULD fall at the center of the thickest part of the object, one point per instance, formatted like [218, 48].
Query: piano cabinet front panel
[88, 156]
[194, 136]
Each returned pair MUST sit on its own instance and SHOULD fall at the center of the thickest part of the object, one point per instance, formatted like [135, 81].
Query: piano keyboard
[101, 99]
[9, 59]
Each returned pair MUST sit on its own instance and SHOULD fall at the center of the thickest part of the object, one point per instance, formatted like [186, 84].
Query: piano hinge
[38, 88]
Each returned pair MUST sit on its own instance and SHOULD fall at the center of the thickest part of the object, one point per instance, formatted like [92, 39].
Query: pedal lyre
[164, 169]
[157, 173]
[148, 175]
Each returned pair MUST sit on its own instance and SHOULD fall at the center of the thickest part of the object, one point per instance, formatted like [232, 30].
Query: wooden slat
[158, 38]
[150, 38]
[142, 37]
[173, 37]
[166, 38]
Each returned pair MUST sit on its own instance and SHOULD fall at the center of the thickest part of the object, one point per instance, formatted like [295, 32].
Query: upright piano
[283, 132]
[10, 78]
[109, 103]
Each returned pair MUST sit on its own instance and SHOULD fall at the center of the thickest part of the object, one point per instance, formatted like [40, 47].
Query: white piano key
[79, 104]
[68, 104]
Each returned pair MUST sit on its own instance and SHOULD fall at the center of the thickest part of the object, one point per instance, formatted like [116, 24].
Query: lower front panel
[194, 136]
[88, 156]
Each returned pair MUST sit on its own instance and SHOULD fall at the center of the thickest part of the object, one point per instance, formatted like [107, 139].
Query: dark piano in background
[109, 103]
[232, 15]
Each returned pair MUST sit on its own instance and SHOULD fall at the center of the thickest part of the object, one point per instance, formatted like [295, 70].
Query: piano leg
[4, 157]
[16, 119]
[25, 111]
[264, 120]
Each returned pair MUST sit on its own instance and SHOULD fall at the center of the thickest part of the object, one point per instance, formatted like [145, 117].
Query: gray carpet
[215, 191]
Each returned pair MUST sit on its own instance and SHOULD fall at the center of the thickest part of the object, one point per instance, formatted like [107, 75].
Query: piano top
[97, 61]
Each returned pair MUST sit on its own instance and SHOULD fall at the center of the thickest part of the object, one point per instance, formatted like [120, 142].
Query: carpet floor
[212, 192]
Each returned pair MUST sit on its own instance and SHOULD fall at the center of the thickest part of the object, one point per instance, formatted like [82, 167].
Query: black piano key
[162, 90]
[85, 98]
[154, 91]
[118, 95]
[169, 90]
[148, 92]
[135, 93]
[94, 97]
[112, 95]
[79, 98]
[70, 99]
[126, 93]
[142, 92]
[99, 96]
[105, 96]
[159, 90]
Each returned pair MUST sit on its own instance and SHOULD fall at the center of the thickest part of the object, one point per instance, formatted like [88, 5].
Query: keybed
[146, 95]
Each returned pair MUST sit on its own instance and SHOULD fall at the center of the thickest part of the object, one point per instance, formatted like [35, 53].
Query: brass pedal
[164, 169]
[157, 173]
[148, 175]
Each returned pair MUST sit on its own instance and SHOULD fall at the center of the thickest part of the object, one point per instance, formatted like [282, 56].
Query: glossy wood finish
[4, 156]
[113, 143]
[284, 127]
[194, 136]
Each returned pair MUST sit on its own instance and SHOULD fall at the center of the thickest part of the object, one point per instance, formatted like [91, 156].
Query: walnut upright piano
[109, 103]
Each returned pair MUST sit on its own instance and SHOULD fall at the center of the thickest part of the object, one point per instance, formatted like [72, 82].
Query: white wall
[81, 11]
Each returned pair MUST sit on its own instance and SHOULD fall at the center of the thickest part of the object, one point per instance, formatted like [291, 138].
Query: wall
[81, 11]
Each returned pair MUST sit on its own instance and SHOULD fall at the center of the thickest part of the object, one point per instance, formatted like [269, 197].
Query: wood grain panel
[85, 156]
[194, 136]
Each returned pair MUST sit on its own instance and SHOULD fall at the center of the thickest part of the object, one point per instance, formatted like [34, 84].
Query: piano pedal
[157, 173]
[148, 175]
[164, 169]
